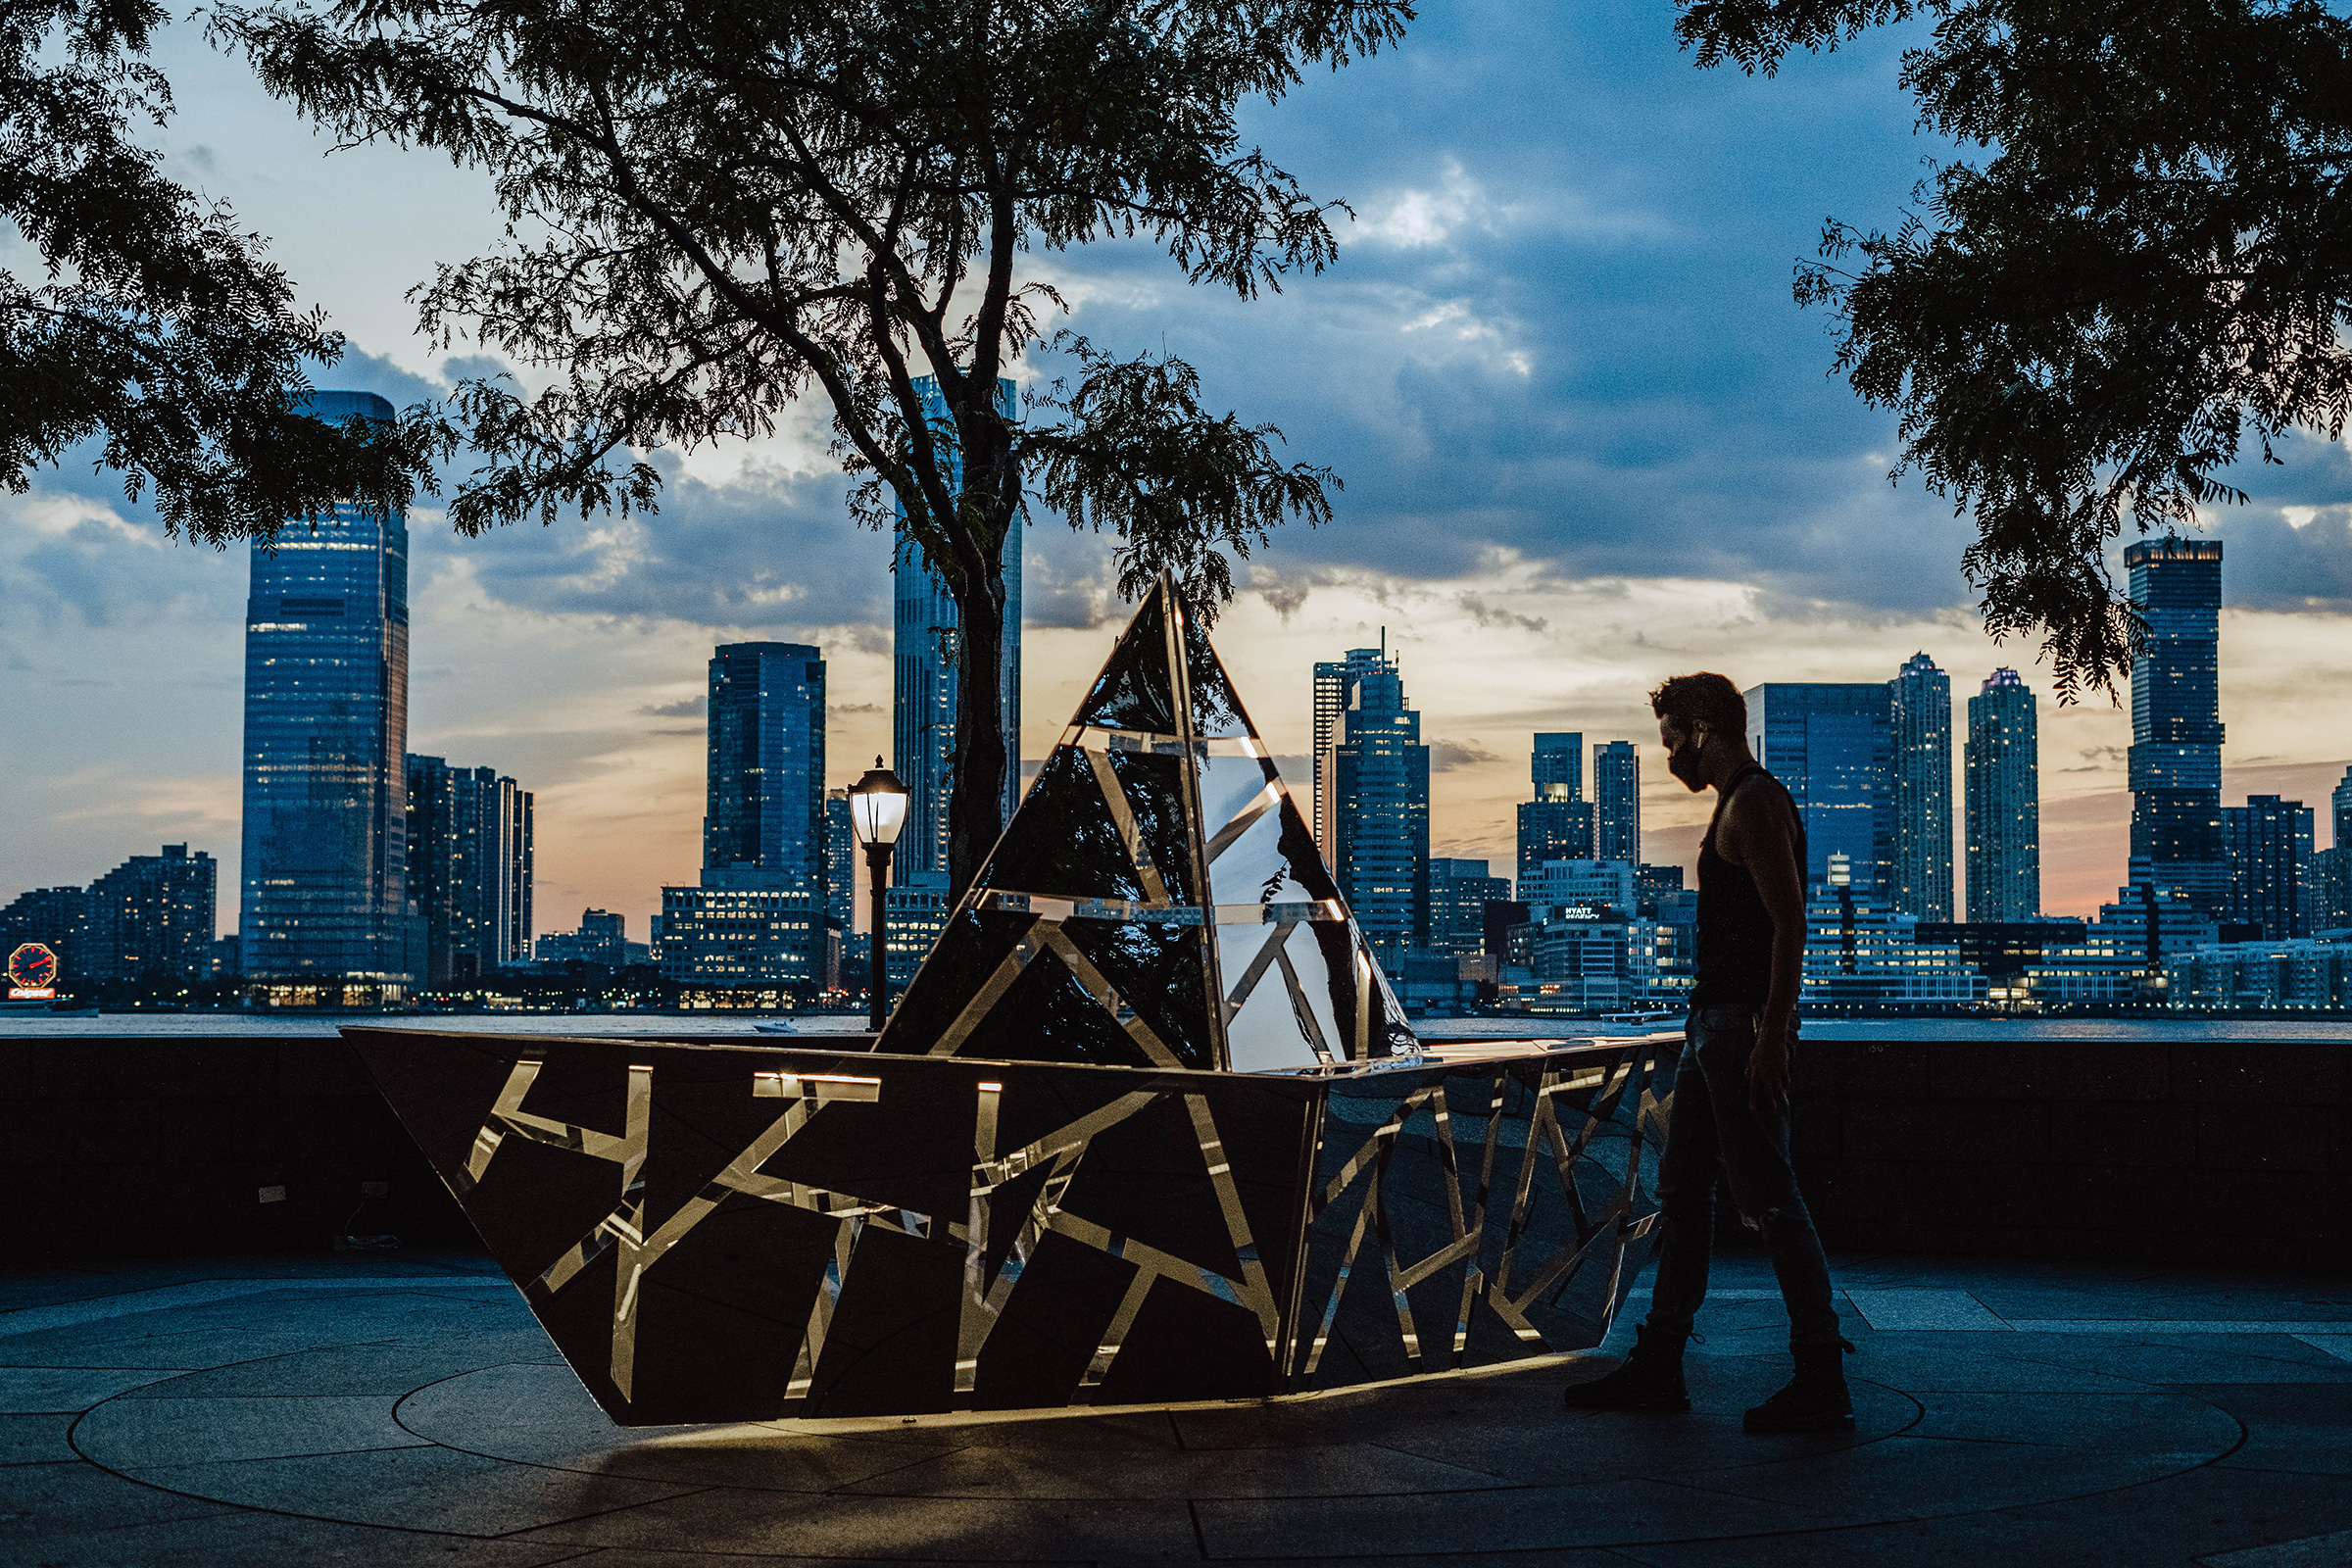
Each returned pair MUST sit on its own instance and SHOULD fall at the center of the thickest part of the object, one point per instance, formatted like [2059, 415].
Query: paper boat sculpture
[1147, 1127]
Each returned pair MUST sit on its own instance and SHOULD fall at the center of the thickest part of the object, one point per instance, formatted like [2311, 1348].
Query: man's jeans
[1711, 1130]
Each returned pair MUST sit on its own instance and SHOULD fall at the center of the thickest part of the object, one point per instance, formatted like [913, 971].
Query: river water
[191, 1025]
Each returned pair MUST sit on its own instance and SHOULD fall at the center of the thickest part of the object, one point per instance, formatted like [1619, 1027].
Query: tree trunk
[976, 791]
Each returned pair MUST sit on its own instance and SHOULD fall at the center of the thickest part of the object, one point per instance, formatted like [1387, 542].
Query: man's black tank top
[1735, 934]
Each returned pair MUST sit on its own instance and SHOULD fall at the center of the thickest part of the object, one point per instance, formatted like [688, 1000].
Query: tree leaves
[1137, 454]
[2153, 265]
[159, 329]
[717, 207]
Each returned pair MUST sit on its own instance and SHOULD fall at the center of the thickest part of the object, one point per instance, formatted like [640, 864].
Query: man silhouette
[1731, 1088]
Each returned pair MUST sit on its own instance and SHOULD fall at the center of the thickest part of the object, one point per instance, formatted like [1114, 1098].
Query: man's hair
[1704, 698]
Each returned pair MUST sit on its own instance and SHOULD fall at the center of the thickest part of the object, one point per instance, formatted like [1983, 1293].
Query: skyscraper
[2176, 756]
[1557, 823]
[1334, 684]
[1379, 772]
[2331, 867]
[2269, 845]
[325, 867]
[1830, 746]
[1556, 764]
[841, 868]
[153, 912]
[757, 916]
[2004, 802]
[926, 630]
[1919, 718]
[766, 784]
[1459, 892]
[1617, 803]
[470, 868]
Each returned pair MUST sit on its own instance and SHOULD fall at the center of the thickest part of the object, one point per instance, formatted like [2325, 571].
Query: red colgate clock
[31, 971]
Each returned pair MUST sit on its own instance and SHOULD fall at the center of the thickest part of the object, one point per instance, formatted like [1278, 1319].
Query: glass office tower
[1334, 683]
[1556, 764]
[925, 632]
[1617, 803]
[325, 870]
[1380, 808]
[2269, 845]
[2176, 756]
[1557, 825]
[470, 868]
[765, 779]
[2004, 802]
[1459, 892]
[1919, 718]
[757, 915]
[1830, 744]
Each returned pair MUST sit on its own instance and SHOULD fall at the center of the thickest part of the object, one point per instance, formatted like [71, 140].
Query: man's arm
[1762, 829]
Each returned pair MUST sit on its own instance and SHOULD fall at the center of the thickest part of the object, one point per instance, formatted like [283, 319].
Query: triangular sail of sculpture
[1157, 900]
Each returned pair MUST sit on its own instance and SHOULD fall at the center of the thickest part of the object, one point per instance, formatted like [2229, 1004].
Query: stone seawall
[2227, 1153]
[2233, 1152]
[156, 1148]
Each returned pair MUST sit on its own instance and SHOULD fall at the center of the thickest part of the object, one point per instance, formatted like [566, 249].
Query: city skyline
[1588, 440]
[2091, 826]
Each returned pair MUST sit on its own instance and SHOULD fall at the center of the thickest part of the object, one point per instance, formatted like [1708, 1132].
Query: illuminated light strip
[1052, 908]
[819, 1086]
[1092, 738]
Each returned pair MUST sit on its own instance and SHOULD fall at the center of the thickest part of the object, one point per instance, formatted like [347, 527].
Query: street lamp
[877, 811]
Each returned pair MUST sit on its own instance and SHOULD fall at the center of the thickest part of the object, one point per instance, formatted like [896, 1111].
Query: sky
[1587, 438]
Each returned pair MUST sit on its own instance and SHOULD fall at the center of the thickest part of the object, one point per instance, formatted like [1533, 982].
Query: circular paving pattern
[445, 1411]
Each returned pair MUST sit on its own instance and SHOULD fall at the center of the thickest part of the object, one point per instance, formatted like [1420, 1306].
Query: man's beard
[1682, 763]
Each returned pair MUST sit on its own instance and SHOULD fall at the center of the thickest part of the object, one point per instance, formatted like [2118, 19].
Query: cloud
[691, 707]
[1285, 597]
[1447, 756]
[1493, 617]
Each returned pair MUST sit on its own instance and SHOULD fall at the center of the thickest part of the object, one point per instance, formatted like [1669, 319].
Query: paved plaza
[409, 1411]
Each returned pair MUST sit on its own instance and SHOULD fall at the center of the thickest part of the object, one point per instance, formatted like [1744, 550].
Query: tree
[158, 328]
[717, 205]
[2154, 264]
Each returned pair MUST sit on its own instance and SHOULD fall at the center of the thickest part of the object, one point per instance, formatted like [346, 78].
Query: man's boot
[1815, 1399]
[1651, 1378]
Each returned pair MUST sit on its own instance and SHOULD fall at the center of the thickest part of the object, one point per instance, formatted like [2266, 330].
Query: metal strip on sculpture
[1157, 900]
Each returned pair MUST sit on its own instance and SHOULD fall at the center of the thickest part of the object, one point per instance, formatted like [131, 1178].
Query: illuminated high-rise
[1829, 744]
[926, 631]
[765, 780]
[1334, 684]
[1377, 772]
[2269, 843]
[153, 912]
[2176, 756]
[1557, 823]
[325, 864]
[1617, 803]
[470, 868]
[2004, 802]
[757, 916]
[1919, 719]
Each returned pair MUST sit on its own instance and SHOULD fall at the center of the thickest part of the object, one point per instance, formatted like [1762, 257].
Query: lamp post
[877, 811]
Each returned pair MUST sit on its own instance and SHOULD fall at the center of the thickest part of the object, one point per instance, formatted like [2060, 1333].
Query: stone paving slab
[243, 1414]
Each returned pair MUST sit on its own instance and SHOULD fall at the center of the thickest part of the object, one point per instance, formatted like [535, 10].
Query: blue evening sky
[1587, 441]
